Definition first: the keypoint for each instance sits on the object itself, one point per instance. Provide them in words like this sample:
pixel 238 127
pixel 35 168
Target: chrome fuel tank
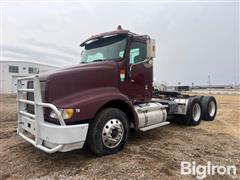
pixel 150 113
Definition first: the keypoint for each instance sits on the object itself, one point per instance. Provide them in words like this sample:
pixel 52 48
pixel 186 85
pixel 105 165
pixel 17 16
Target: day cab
pixel 97 101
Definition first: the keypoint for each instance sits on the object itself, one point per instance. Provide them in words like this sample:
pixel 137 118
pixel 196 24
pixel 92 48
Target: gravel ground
pixel 155 154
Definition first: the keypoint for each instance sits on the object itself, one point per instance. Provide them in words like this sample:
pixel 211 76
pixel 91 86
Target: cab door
pixel 140 74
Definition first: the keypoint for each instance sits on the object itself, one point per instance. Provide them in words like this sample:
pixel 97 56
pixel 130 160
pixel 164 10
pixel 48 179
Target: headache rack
pixel 32 122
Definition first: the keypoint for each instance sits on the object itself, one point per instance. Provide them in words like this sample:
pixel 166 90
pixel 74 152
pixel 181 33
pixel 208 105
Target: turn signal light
pixel 67 113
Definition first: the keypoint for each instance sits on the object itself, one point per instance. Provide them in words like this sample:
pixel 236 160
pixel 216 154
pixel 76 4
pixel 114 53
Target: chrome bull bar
pixel 59 135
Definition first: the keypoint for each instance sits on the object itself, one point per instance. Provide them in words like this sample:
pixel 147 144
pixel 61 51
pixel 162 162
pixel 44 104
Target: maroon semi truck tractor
pixel 97 101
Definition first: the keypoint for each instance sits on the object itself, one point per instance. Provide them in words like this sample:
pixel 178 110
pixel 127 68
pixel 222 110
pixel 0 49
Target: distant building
pixel 11 70
pixel 182 88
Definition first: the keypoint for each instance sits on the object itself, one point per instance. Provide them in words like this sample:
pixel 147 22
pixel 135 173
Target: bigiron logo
pixel 209 169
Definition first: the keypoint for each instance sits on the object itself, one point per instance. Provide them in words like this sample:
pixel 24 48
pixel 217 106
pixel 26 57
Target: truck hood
pixel 76 79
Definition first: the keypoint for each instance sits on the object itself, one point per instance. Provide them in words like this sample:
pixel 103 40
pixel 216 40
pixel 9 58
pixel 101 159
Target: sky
pixel 193 39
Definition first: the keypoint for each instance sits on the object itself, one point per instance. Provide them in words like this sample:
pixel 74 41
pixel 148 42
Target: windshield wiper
pixel 96 60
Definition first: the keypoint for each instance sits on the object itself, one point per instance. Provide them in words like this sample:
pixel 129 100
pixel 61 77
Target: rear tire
pixel 209 106
pixel 109 132
pixel 194 112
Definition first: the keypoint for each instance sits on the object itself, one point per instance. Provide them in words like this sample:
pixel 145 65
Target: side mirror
pixel 151 50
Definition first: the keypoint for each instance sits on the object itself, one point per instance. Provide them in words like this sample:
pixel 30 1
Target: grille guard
pixel 59 135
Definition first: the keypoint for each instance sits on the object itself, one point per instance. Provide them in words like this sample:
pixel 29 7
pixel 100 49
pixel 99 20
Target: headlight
pixel 66 113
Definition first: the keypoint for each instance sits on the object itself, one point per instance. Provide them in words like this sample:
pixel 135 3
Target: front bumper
pixel 51 137
pixel 43 135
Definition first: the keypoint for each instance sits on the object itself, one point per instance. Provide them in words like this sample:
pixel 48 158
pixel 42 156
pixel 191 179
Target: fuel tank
pixel 150 113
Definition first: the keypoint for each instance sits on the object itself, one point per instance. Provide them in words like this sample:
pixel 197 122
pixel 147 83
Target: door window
pixel 137 52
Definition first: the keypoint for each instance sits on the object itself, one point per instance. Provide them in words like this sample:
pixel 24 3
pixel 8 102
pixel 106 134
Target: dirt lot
pixel 150 155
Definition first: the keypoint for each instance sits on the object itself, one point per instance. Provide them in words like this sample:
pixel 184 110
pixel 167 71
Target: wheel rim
pixel 196 112
pixel 112 133
pixel 211 108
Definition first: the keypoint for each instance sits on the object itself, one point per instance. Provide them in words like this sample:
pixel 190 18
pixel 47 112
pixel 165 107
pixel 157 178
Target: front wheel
pixel 109 132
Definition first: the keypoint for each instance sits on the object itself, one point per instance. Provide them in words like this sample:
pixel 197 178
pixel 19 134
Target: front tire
pixel 109 132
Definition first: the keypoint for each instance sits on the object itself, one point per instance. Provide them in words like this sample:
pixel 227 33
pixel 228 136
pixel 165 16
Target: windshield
pixel 109 48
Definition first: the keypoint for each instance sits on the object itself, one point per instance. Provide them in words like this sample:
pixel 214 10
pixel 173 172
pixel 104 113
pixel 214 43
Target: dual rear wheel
pixel 209 108
pixel 200 108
